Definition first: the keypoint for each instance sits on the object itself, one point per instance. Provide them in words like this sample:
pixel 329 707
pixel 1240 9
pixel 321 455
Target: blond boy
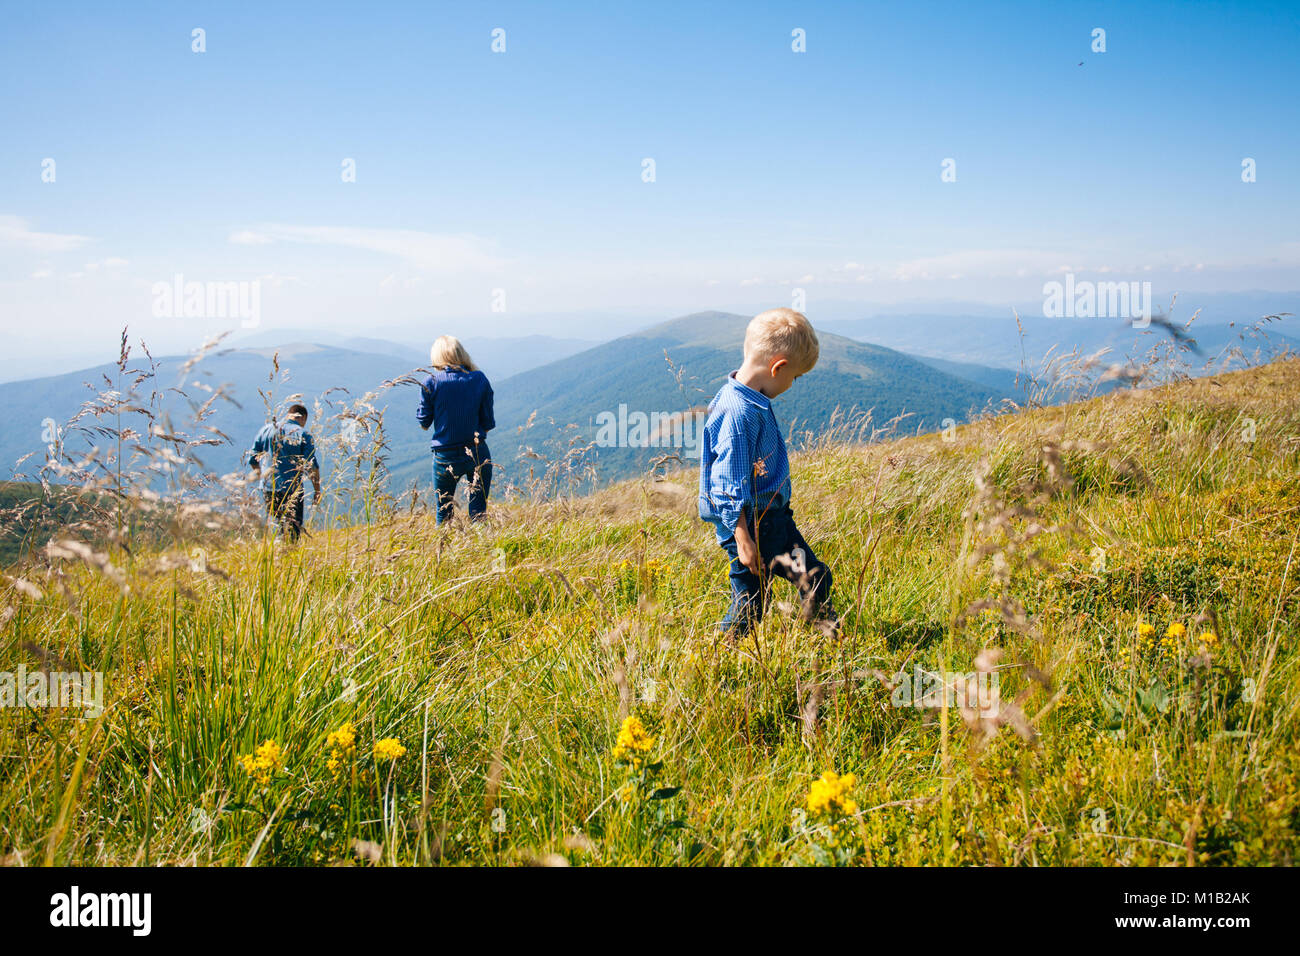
pixel 745 475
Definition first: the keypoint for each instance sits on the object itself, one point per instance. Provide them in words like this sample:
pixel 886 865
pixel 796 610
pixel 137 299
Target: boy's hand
pixel 746 550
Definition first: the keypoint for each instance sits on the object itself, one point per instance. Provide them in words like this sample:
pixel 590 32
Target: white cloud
pixel 111 263
pixel 249 238
pixel 275 280
pixel 394 281
pixel 109 268
pixel 15 229
pixel 978 262
pixel 428 251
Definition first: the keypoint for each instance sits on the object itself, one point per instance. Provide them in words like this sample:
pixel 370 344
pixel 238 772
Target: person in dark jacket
pixel 293 460
pixel 456 401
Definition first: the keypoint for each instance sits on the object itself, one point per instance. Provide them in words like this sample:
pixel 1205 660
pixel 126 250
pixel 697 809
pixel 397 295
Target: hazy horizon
pixel 613 324
pixel 531 170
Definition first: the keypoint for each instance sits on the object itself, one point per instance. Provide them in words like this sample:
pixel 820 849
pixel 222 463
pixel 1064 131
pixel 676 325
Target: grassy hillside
pixel 32 514
pixel 461 696
pixel 29 515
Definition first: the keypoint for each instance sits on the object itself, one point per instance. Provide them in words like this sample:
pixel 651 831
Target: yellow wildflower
pixel 1145 631
pixel 388 749
pixel 1176 631
pixel 633 742
pixel 264 761
pixel 345 738
pixel 828 795
pixel 1209 637
pixel 342 744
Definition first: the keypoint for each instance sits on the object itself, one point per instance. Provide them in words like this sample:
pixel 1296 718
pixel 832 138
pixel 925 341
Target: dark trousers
pixel 451 463
pixel 284 506
pixel 782 552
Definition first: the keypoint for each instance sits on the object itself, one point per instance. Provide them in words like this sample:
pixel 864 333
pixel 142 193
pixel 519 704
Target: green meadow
pixel 549 687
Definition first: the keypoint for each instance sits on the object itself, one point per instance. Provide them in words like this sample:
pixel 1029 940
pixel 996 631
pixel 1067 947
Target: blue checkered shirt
pixel 743 460
pixel 292 451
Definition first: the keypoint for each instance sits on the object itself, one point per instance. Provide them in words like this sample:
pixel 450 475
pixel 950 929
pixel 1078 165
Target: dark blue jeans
pixel 782 552
pixel 284 506
pixel 451 463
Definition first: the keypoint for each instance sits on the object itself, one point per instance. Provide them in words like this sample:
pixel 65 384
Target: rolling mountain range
pixel 564 393
pixel 679 365
pixel 668 368
pixel 498 357
pixel 998 341
pixel 306 369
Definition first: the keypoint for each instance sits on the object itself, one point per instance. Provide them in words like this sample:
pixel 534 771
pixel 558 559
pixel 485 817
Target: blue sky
pixel 522 170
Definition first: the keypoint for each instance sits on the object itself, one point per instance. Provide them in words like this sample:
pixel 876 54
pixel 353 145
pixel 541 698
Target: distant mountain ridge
pixel 499 357
pixel 679 364
pixel 667 368
pixel 307 369
pixel 1000 342
pixel 633 370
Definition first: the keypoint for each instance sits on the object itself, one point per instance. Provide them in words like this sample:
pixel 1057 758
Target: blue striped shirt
pixel 292 451
pixel 458 404
pixel 742 458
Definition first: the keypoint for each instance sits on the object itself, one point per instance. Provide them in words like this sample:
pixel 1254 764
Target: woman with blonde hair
pixel 456 400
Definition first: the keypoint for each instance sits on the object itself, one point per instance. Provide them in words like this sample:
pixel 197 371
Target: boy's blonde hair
pixel 784 333
pixel 448 351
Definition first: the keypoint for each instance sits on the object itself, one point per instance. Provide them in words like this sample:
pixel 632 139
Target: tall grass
pixel 505 657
